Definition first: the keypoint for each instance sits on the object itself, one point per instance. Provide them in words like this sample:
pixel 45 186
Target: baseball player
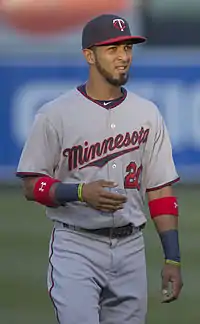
pixel 92 155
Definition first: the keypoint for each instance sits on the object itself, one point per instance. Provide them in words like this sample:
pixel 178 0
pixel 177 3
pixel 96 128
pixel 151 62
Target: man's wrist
pixel 67 192
pixel 172 262
pixel 80 192
pixel 170 244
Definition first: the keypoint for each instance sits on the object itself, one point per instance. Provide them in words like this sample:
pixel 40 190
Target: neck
pixel 99 89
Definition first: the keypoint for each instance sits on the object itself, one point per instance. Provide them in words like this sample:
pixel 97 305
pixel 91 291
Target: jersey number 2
pixel 132 179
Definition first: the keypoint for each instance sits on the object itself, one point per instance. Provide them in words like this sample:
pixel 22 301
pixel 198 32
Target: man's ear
pixel 89 56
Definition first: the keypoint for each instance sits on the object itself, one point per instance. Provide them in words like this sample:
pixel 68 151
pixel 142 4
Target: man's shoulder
pixel 59 103
pixel 141 102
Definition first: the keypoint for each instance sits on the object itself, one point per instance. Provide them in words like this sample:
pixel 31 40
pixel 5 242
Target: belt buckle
pixel 118 232
pixel 127 231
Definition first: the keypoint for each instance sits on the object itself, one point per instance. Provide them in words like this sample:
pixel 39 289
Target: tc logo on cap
pixel 119 24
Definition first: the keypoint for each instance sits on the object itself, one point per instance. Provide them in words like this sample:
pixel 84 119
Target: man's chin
pixel 118 82
pixel 121 81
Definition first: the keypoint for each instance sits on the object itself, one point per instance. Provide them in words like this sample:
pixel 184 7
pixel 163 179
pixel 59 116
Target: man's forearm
pixel 51 192
pixel 163 208
pixel 165 223
pixel 167 228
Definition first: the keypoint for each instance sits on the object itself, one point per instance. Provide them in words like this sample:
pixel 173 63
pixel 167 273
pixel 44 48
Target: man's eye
pixel 113 48
pixel 128 48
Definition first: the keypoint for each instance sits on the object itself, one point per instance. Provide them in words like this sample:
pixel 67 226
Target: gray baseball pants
pixel 94 279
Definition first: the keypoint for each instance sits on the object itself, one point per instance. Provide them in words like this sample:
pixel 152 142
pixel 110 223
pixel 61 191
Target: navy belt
pixel 111 232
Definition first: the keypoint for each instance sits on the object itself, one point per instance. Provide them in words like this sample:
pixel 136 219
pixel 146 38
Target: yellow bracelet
pixel 80 190
pixel 173 262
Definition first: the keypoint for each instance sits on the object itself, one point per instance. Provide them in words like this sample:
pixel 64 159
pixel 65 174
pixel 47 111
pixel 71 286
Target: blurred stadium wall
pixel 166 70
pixel 35 70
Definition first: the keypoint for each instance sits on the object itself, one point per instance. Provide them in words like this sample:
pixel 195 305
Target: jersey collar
pixel 107 104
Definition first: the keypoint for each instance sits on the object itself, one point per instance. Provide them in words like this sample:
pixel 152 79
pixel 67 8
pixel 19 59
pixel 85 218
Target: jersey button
pixel 113 126
pixel 114 165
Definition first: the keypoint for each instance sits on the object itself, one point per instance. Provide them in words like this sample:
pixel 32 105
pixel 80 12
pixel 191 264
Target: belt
pixel 111 232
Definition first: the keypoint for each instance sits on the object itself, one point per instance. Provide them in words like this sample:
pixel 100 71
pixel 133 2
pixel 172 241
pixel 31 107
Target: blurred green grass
pixel 24 239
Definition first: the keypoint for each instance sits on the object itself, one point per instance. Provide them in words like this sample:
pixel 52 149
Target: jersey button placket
pixel 113 165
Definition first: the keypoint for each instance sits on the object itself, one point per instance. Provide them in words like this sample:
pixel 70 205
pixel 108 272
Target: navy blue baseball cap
pixel 108 29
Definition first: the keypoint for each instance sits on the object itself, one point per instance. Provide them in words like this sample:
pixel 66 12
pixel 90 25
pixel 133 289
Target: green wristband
pixel 80 191
pixel 173 262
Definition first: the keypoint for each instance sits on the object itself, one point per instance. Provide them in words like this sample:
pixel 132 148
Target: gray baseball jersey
pixel 75 139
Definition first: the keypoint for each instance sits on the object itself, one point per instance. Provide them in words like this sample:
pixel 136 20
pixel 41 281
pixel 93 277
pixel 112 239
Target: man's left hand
pixel 171 283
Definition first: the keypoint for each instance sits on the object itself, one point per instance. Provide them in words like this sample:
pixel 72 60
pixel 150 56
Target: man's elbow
pixel 27 194
pixel 160 193
pixel 27 188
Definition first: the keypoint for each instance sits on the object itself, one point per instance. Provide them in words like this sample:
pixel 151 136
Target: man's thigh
pixel 125 299
pixel 74 277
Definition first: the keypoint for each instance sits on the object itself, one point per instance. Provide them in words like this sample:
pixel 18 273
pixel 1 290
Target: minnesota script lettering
pixel 100 153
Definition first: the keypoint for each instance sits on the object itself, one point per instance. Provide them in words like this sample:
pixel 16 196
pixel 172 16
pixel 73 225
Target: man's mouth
pixel 122 68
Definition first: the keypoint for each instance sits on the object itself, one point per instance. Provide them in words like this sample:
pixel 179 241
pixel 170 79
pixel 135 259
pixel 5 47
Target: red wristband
pixel 42 189
pixel 163 206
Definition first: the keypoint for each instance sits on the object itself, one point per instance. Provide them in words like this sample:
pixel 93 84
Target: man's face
pixel 113 62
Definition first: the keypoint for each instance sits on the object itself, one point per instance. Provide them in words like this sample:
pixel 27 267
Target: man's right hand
pixel 97 197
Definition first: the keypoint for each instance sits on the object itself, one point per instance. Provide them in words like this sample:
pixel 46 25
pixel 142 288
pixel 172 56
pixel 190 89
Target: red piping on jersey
pixel 52 280
pixel 29 174
pixel 115 104
pixel 164 185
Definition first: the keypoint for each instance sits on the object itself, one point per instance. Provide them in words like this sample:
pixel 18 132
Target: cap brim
pixel 132 39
